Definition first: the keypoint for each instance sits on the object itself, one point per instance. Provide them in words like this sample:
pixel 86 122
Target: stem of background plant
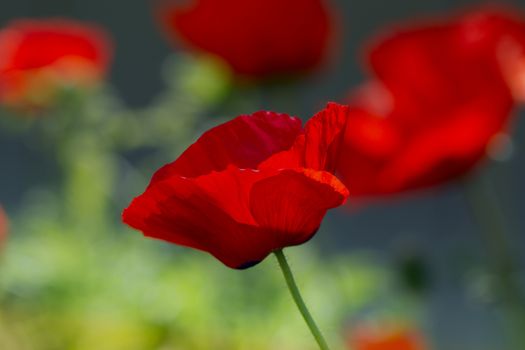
pixel 86 160
pixel 496 235
pixel 292 286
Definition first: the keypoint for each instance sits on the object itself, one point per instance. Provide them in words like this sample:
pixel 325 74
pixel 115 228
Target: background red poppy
pixel 438 99
pixel 4 226
pixel 39 56
pixel 258 38
pixel 385 339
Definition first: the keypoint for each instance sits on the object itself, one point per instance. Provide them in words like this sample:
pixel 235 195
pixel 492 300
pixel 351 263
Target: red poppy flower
pixel 439 99
pixel 376 339
pixel 40 56
pixel 257 38
pixel 247 187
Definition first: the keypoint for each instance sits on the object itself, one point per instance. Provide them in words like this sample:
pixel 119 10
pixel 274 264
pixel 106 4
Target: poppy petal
pixel 451 149
pixel 292 204
pixel 178 211
pixel 243 142
pixel 324 134
pixel 318 148
pixel 239 216
pixel 273 208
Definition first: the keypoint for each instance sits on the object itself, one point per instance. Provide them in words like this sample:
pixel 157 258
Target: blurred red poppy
pixel 439 99
pixel 381 339
pixel 4 226
pixel 38 57
pixel 257 38
pixel 247 187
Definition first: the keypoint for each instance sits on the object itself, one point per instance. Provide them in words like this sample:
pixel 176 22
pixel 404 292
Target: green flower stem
pixel 496 236
pixel 292 286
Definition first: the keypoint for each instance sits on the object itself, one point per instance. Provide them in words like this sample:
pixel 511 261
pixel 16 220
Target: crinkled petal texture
pixel 438 99
pixel 217 197
pixel 243 142
pixel 257 38
pixel 37 55
pixel 319 145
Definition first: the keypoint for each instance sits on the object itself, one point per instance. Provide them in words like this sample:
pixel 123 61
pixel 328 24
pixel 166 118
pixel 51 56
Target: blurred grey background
pixel 434 226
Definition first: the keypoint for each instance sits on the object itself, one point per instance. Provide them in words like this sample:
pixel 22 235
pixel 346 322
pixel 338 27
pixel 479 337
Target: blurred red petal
pixel 4 226
pixel 451 149
pixel 439 96
pixel 30 44
pixel 377 339
pixel 38 56
pixel 258 38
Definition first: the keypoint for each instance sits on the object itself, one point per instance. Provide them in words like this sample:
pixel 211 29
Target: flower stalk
pixel 296 295
pixel 496 236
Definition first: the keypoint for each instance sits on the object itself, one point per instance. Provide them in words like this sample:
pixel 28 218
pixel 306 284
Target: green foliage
pixel 140 294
